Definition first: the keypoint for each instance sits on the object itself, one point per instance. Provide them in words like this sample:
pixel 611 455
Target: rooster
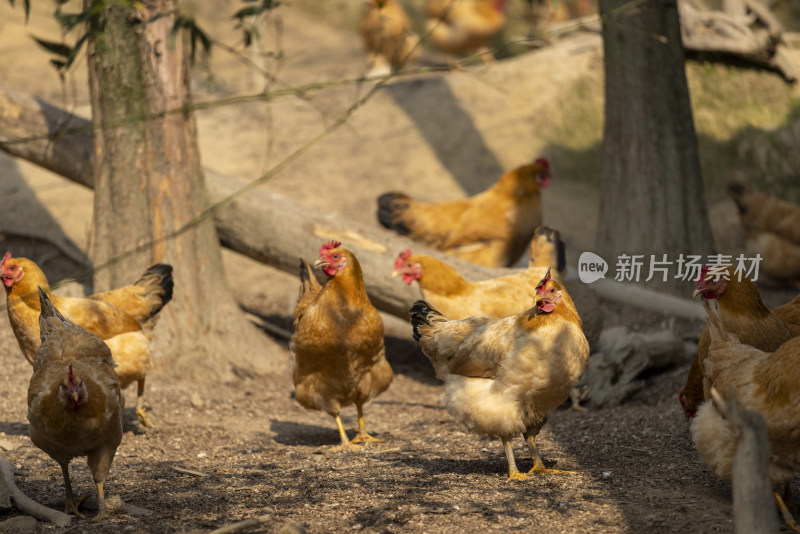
pixel 764 381
pixel 338 341
pixel 387 35
pixel 74 400
pixel 459 27
pixel 445 289
pixel 745 316
pixel 503 377
pixel 491 228
pixel 123 317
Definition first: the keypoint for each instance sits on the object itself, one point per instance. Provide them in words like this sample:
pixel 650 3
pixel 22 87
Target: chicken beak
pixel 697 292
pixel 320 263
pixel 75 395
pixel 395 274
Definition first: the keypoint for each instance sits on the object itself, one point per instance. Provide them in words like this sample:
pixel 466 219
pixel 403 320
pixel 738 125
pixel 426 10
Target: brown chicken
pixel 459 27
pixel 772 229
pixel 767 382
pixel 123 317
pixel 745 316
pixel 503 377
pixel 74 400
pixel 491 228
pixel 453 296
pixel 388 37
pixel 338 341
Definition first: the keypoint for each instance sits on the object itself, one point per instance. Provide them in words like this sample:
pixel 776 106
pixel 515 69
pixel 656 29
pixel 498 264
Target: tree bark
pixel 652 200
pixel 149 186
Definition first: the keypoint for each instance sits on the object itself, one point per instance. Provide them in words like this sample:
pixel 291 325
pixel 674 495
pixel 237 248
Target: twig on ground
pixel 190 472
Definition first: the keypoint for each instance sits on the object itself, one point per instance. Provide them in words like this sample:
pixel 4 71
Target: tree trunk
pixel 652 200
pixel 149 186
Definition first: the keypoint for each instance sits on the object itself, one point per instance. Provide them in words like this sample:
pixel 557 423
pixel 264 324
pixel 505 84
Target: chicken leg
pixel 538 464
pixel 513 472
pixel 140 405
pixel 362 436
pixel 70 503
pixel 346 444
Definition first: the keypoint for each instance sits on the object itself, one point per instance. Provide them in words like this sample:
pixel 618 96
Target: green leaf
pixel 196 34
pixel 57 48
pixel 247 12
pixel 252 11
pixel 75 50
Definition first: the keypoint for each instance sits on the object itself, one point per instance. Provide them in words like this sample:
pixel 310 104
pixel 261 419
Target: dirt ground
pixel 636 469
pixel 257 451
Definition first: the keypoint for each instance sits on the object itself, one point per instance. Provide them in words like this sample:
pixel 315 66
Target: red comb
pixel 543 162
pixel 71 377
pixel 403 256
pixel 329 246
pixel 543 281
pixel 5 258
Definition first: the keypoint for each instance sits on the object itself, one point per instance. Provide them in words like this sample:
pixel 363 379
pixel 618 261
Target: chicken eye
pixel 335 256
pixel 552 290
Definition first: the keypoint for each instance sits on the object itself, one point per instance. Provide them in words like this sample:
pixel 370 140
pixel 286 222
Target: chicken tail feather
pixel 158 284
pixel 547 249
pixel 737 192
pixel 421 316
pixel 49 318
pixel 391 207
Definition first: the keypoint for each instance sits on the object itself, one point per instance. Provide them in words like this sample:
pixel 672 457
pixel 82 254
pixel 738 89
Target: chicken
pixel 123 317
pixel 459 27
pixel 491 228
pixel 337 342
pixel 388 37
pixel 456 298
pixel 745 316
pixel 74 400
pixel 762 213
pixel 503 377
pixel 772 229
pixel 762 381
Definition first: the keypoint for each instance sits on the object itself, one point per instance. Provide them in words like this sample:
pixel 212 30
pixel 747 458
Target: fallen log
pixel 263 225
pixel 746 30
pixel 278 231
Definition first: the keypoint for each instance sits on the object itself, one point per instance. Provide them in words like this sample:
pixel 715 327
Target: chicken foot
pixel 787 515
pixel 538 463
pixel 346 444
pixel 101 502
pixel 362 436
pixel 71 504
pixel 513 472
pixel 140 411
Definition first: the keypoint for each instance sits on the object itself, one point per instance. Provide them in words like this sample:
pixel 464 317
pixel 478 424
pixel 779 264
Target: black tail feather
pixel 420 311
pixel 390 206
pixel 163 273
